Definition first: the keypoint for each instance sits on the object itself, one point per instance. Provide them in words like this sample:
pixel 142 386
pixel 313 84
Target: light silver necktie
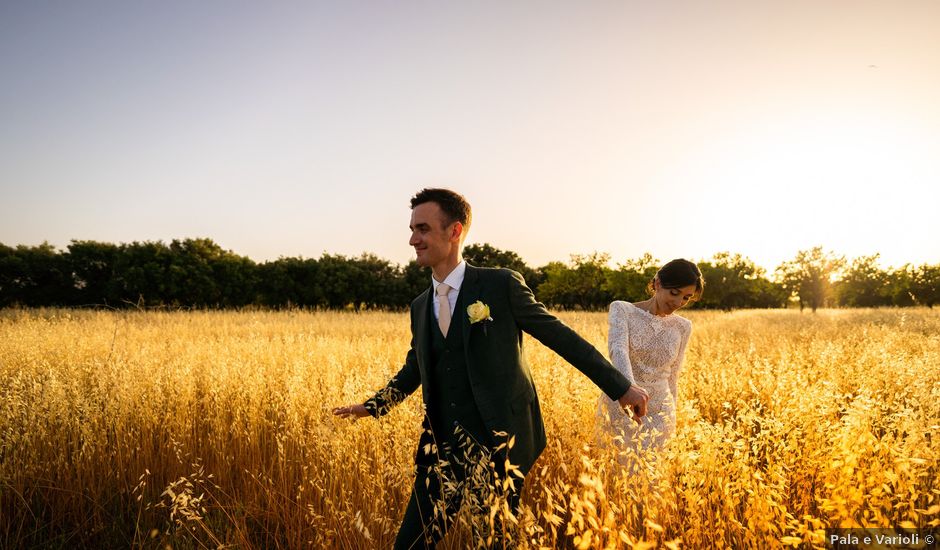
pixel 443 315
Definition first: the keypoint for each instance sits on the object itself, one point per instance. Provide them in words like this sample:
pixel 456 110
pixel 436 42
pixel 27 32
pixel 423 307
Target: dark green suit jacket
pixel 499 376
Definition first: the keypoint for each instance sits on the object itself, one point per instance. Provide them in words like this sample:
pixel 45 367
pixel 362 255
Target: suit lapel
pixel 423 305
pixel 470 293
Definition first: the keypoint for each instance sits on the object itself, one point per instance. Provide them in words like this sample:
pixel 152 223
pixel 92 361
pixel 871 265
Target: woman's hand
pixel 634 402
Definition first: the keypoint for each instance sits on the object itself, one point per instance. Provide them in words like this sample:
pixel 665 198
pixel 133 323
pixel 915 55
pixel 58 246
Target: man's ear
pixel 456 233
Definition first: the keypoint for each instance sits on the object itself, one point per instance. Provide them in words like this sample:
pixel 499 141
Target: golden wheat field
pixel 213 429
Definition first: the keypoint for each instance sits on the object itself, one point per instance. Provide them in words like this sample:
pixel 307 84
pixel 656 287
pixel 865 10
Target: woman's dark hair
pixel 677 274
pixel 453 205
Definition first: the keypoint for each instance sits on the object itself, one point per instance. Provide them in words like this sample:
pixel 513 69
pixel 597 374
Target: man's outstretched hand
pixel 634 402
pixel 354 411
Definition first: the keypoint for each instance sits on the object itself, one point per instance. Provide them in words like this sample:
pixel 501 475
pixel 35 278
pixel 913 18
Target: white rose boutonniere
pixel 478 312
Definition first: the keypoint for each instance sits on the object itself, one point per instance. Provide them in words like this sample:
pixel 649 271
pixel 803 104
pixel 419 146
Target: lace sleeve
pixel 680 358
pixel 618 339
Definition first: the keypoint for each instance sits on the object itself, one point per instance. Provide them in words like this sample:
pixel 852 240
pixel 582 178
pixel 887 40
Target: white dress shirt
pixel 454 280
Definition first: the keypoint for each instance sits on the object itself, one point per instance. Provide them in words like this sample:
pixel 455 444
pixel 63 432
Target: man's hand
pixel 634 402
pixel 359 411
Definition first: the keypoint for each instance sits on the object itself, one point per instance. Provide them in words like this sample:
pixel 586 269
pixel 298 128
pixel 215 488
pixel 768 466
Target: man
pixel 477 389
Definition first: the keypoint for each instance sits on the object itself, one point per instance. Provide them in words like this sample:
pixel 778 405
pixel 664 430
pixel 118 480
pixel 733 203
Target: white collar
pixel 454 279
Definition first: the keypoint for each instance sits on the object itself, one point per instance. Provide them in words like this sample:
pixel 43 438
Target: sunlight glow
pixel 821 178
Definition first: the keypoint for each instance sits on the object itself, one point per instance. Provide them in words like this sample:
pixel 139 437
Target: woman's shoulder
pixel 685 323
pixel 621 309
pixel 621 305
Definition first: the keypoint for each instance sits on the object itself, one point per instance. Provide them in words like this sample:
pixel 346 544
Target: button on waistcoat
pixel 452 397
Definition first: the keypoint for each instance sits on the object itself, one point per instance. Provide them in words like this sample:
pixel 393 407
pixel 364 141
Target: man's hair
pixel 454 206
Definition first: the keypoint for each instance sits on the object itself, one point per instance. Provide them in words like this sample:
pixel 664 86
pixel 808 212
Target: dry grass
pixel 213 429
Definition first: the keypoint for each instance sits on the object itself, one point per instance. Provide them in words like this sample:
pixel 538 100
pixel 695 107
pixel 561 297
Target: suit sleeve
pixel 399 387
pixel 532 317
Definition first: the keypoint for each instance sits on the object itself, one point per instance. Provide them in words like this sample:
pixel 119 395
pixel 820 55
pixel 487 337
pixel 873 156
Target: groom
pixel 469 364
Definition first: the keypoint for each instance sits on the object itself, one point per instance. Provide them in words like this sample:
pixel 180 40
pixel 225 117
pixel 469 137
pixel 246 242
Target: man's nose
pixel 413 241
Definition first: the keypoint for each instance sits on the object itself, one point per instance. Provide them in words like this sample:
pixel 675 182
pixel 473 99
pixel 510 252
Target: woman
pixel 647 343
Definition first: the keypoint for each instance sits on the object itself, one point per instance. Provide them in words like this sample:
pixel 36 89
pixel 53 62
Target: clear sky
pixel 297 128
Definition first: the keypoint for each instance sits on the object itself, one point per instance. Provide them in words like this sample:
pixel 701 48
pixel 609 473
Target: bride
pixel 647 343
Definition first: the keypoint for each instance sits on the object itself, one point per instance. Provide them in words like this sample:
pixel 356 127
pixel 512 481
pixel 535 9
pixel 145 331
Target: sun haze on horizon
pixel 620 127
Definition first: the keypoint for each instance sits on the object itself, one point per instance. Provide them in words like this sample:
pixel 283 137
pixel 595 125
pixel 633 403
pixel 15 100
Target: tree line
pixel 198 273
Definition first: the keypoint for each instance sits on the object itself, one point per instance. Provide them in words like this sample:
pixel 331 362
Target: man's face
pixel 434 241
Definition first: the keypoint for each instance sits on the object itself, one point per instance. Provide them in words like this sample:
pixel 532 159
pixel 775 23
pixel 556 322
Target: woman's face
pixel 669 300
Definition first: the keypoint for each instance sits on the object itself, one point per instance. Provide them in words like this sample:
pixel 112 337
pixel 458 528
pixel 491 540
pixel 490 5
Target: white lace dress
pixel 648 350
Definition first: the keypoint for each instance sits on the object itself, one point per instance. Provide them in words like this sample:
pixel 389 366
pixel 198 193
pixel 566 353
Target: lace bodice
pixel 646 348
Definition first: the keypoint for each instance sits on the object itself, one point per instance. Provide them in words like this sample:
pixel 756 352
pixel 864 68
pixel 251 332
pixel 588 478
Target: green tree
pixel 141 274
pixel 337 277
pixel 863 284
pixel 733 281
pixel 926 287
pixel 630 280
pixel 809 275
pixel 92 266
pixel 35 276
pixel 900 286
pixel 374 282
pixel 728 281
pixel 192 280
pixel 11 276
pixel 236 279
pixel 487 255
pixel 582 285
pixel 415 279
pixel 766 294
pixel 288 282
